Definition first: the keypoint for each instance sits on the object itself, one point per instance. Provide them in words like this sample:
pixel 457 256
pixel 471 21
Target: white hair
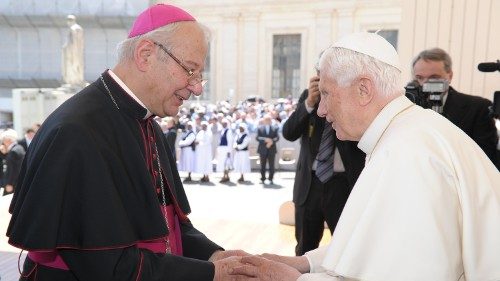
pixel 344 66
pixel 9 134
pixel 164 35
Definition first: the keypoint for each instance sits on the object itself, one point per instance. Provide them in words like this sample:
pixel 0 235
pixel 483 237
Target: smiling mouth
pixel 181 98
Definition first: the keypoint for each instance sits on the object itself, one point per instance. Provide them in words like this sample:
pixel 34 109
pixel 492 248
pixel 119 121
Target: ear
pixel 366 90
pixel 451 75
pixel 143 55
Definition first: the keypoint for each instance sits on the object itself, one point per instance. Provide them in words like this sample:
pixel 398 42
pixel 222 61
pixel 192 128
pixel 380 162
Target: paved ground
pixel 234 215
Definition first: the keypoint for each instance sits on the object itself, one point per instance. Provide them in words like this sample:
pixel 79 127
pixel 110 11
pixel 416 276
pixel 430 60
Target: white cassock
pixel 225 146
pixel 203 152
pixel 187 161
pixel 425 207
pixel 241 161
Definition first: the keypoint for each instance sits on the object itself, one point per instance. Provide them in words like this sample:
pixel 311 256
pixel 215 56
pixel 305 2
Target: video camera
pixel 429 95
pixel 492 67
pixel 496 105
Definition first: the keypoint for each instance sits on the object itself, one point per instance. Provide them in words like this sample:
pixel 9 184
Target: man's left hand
pixel 262 269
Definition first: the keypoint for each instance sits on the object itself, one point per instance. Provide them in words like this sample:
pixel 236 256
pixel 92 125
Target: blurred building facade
pixel 262 48
pixel 33 33
pixel 265 48
pixel 269 48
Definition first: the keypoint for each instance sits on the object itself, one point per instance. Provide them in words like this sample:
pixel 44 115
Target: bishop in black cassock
pixel 99 195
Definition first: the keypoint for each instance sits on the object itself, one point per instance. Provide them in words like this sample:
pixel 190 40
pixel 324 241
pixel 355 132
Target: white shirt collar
pixel 376 129
pixel 129 92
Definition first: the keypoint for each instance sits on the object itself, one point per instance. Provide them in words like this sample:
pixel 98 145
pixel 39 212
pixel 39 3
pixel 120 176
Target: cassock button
pixel 154 156
pixel 155 173
pixel 151 139
pixel 158 190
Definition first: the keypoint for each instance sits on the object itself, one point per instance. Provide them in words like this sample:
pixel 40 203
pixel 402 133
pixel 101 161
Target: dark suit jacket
pixel 13 161
pixel 171 136
pixel 472 115
pixel 309 128
pixel 273 134
pixel 24 143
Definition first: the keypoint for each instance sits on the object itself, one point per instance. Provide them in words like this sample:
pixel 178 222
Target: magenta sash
pixel 174 235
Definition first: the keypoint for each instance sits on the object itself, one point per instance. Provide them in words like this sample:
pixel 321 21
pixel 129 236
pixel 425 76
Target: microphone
pixel 489 66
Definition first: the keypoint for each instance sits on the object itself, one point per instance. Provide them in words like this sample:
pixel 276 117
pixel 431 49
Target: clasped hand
pixel 269 142
pixel 265 267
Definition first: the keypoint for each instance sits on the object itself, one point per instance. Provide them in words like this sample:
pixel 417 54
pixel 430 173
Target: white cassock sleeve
pixel 315 258
pixel 320 277
pixel 317 272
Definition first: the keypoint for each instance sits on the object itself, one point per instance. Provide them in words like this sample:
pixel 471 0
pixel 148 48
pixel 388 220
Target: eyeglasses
pixel 193 77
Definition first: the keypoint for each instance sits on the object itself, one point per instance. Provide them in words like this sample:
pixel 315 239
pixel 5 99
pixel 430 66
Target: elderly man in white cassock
pixel 427 204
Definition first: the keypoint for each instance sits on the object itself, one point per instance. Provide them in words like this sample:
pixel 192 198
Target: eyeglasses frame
pixel 189 71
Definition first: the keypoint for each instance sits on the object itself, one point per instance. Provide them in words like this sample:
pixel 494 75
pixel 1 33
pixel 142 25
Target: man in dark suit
pixel 171 135
pixel 267 136
pixel 28 137
pixel 469 113
pixel 13 159
pixel 317 201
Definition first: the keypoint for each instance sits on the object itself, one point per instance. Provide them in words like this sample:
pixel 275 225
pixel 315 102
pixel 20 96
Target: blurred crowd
pixel 202 125
pixel 249 111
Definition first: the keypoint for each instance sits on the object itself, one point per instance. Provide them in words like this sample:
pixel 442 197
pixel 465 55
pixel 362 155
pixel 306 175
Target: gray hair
pixel 434 54
pixel 344 66
pixel 163 35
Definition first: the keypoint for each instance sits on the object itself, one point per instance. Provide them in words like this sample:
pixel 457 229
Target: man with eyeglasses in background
pixel 100 197
pixel 469 113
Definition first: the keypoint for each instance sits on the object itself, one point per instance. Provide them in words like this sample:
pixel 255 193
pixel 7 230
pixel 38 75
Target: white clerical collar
pixel 129 92
pixel 376 129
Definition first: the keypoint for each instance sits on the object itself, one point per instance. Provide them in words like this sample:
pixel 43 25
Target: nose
pixel 321 108
pixel 196 90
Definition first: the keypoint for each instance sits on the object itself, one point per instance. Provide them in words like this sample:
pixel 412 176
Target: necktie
pixel 324 167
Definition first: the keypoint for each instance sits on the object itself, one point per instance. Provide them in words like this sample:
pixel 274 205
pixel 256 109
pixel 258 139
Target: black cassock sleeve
pixel 134 264
pixel 129 263
pixel 195 244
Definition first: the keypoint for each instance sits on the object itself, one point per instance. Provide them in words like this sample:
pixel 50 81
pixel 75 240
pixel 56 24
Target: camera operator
pixel 469 113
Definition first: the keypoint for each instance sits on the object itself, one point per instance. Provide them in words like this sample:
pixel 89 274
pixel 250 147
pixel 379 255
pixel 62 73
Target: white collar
pixel 378 126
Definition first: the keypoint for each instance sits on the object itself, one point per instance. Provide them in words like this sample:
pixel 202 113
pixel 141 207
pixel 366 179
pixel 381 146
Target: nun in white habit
pixel 241 162
pixel 203 152
pixel 188 146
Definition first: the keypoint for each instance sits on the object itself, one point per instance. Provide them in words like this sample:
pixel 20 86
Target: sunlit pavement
pixel 235 215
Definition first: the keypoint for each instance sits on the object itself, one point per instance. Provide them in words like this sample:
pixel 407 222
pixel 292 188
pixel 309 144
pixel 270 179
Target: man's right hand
pixel 223 268
pixel 313 92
